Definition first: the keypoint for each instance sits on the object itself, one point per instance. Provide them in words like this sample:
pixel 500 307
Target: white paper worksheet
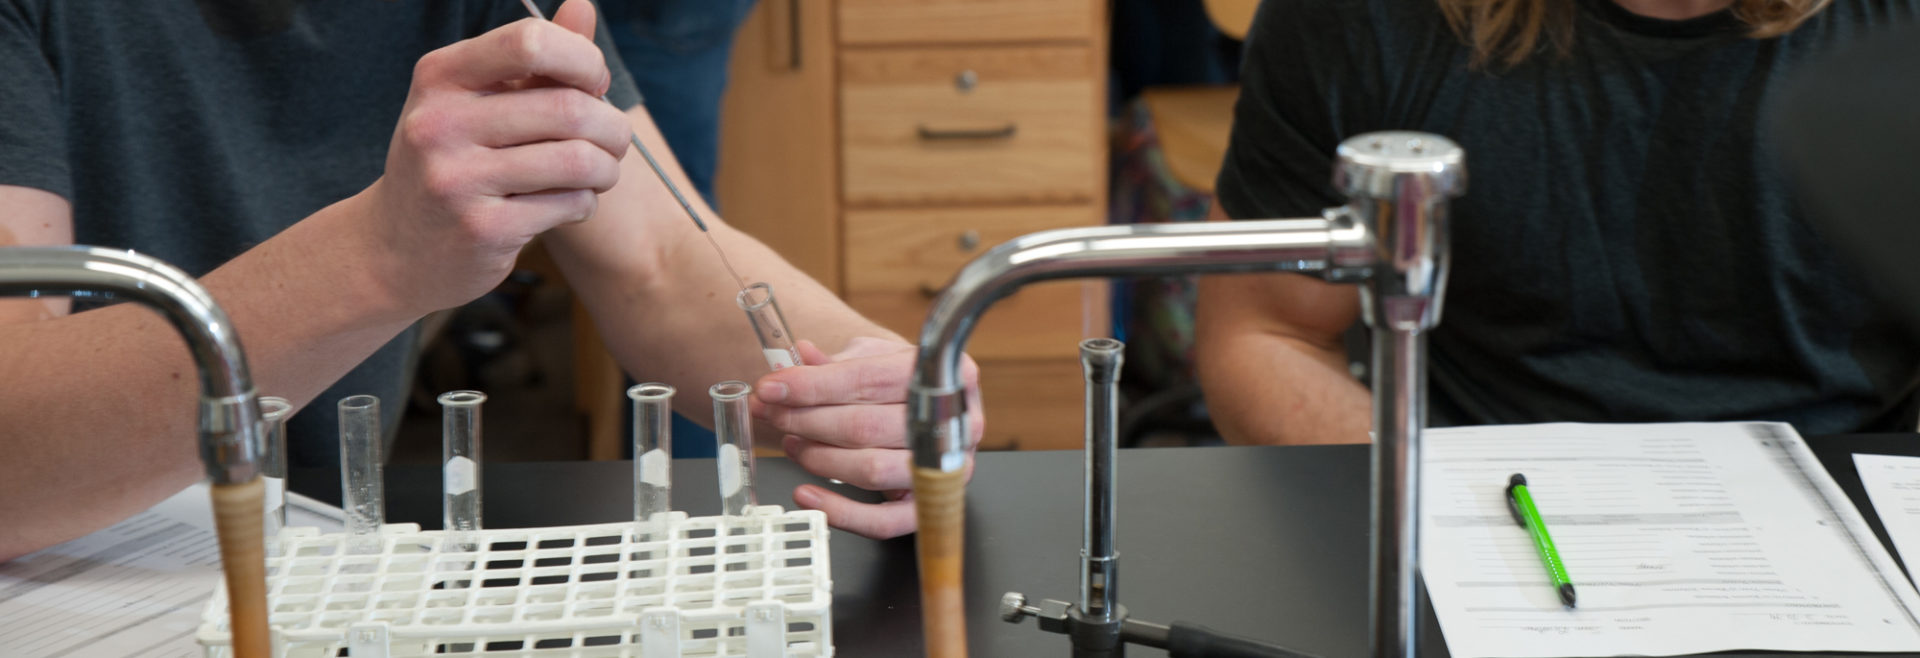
pixel 1678 538
pixel 134 589
pixel 1893 485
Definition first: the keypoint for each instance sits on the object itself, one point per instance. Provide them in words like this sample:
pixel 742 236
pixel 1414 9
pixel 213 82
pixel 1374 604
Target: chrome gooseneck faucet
pixel 230 426
pixel 1390 237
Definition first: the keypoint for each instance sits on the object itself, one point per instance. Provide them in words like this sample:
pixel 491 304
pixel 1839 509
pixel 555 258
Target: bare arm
pixel 107 426
pixel 99 406
pixel 1271 362
pixel 33 218
pixel 660 296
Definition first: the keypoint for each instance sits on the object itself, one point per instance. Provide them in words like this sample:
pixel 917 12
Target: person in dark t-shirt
pixel 333 171
pixel 1626 251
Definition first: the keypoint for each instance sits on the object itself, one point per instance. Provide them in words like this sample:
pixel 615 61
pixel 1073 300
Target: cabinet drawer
pixel 970 125
pixel 879 22
pixel 896 260
pixel 1033 404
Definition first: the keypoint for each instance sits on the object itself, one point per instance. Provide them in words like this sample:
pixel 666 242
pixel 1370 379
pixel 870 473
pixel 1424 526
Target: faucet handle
pixel 1376 165
pixel 1397 185
pixel 1014 608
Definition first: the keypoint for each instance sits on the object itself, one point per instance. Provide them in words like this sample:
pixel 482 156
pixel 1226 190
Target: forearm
pixel 661 298
pixel 101 416
pixel 500 139
pixel 1264 386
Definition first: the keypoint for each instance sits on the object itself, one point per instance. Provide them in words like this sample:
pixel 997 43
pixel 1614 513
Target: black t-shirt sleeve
pixel 1287 122
pixel 33 151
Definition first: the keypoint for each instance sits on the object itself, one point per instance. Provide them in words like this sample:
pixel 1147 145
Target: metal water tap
pixel 230 438
pixel 1390 236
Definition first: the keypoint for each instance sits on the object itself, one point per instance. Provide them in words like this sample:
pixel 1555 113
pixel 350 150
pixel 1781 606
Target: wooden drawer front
pixel 876 22
pixel 897 259
pixel 1027 130
pixel 1033 405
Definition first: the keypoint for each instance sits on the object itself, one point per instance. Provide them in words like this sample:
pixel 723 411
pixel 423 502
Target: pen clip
pixel 1513 504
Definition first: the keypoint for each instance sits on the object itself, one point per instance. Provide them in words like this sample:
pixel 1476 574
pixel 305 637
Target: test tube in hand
pixel 769 325
pixel 460 466
pixel 273 469
pixel 362 493
pixel 652 451
pixel 734 432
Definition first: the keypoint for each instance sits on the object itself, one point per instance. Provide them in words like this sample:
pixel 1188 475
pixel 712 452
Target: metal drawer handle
pixel 1003 132
pixel 969 240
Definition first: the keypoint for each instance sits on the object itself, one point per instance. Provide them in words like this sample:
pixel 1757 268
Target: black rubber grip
pixel 1192 641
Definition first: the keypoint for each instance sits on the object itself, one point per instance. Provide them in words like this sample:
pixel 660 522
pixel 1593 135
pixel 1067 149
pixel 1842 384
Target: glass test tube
pixel 652 451
pixel 460 466
pixel 734 431
pixel 769 325
pixel 362 492
pixel 273 416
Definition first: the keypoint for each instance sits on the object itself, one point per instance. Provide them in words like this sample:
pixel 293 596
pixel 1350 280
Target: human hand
pixel 845 417
pixel 502 137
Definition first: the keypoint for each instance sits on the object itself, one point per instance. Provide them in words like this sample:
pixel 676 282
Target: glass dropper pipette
pixel 780 352
pixel 664 178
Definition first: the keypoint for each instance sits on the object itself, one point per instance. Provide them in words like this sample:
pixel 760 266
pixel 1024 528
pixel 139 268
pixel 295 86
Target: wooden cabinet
pixel 882 144
pixel 897 259
pixel 969 125
pixel 920 22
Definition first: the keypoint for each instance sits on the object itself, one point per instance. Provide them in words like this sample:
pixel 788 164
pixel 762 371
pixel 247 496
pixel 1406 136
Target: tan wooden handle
pixel 940 500
pixel 237 513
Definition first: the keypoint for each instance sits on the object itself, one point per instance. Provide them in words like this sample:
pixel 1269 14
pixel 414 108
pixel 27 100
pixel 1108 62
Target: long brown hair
pixel 1505 33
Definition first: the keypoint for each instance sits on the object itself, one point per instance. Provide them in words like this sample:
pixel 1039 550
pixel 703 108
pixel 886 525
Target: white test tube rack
pixel 753 586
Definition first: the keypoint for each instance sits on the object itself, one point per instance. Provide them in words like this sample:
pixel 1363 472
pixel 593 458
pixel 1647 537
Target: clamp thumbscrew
pixel 1014 608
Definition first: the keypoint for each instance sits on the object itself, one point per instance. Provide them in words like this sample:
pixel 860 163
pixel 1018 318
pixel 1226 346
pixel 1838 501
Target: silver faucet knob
pixel 1380 165
pixel 1398 184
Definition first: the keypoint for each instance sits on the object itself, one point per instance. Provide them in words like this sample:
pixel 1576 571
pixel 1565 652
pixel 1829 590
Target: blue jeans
pixel 677 51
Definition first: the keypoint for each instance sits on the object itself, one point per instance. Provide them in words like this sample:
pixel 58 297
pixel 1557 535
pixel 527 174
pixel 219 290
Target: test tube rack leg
pixel 754 586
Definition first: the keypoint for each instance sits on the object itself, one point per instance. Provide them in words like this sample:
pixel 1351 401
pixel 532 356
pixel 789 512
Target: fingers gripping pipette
pixel 770 326
pixel 672 188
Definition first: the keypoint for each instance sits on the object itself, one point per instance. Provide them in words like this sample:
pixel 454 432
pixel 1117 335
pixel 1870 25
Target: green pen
pixel 1520 502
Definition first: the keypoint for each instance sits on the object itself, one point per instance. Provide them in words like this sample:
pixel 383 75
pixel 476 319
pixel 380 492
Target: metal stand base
pixel 1093 638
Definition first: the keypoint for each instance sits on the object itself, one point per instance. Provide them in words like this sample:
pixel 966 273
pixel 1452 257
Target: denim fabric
pixel 677 51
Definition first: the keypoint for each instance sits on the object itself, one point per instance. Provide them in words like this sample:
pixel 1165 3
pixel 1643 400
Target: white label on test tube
pixel 654 468
pixel 730 475
pixel 778 358
pixel 459 475
pixel 276 518
pixel 276 494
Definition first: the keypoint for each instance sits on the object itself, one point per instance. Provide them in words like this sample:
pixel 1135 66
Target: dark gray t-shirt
pixel 1627 249
pixel 193 130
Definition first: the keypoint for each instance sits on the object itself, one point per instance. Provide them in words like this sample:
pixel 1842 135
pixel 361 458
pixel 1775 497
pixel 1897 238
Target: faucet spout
pixel 1334 245
pixel 937 430
pixel 1390 236
pixel 230 428
pixel 230 444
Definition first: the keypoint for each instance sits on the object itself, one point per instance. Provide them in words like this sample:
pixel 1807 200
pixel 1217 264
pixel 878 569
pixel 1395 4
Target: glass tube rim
pixel 650 391
pixel 732 389
pixel 273 408
pixel 461 398
pixel 746 300
pixel 360 402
